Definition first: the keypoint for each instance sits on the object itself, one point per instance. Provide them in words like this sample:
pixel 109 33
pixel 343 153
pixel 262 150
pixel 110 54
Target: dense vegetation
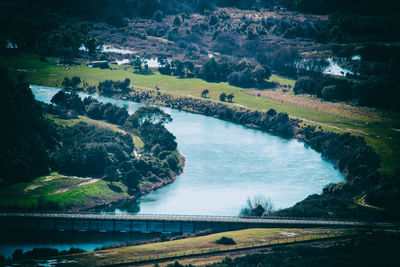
pixel 26 136
pixel 102 153
pixel 243 74
pixel 364 92
pixel 269 43
pixel 32 145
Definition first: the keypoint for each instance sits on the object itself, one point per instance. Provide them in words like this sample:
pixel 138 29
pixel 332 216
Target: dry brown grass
pixel 313 103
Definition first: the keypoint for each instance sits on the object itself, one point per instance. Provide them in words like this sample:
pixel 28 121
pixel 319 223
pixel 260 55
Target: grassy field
pixel 379 129
pixel 199 245
pixel 68 192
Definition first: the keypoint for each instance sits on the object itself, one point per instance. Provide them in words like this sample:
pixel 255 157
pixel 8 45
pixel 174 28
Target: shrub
pixel 225 241
pixel 328 92
pixel 158 16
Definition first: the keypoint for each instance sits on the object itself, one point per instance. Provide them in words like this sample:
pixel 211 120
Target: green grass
pixel 282 80
pixel 67 192
pixel 198 245
pixel 376 127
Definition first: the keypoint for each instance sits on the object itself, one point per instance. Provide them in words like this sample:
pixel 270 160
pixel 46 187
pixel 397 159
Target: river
pixel 227 163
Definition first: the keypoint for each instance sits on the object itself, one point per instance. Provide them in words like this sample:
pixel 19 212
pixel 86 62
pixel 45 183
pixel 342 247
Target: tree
pixel 75 81
pixel 178 68
pixel 132 180
pixel 173 161
pixel 158 16
pixel 260 74
pixel 204 93
pixel 230 97
pixel 222 97
pixel 66 83
pixel 177 21
pixel 212 20
pixel 60 97
pixel 152 115
pixel 152 134
pixel 305 84
pixel 258 206
pixel 18 255
pixel 125 85
pixel 328 92
pixel 92 45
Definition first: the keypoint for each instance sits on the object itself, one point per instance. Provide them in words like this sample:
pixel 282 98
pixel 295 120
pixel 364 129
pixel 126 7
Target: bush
pixel 225 241
pixel 158 16
pixel 328 92
pixel 305 84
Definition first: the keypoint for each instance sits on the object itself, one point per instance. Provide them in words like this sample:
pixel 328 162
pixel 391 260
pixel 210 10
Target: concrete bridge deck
pixel 110 222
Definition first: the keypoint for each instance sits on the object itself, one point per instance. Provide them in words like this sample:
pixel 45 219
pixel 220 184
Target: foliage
pixel 153 134
pixel 151 115
pixel 258 206
pixel 89 151
pixel 204 93
pixel 94 109
pixel 108 87
pixel 26 134
pixel 222 97
pixel 69 100
pixel 71 84
pixel 225 241
pixel 362 91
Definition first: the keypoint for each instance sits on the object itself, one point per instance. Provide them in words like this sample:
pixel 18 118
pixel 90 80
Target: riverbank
pixel 374 126
pixel 355 159
pixel 321 130
pixel 71 193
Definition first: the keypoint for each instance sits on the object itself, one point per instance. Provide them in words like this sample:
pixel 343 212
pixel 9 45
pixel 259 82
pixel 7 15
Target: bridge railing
pixel 175 216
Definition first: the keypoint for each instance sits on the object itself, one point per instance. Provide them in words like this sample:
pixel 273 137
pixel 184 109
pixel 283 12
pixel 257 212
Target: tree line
pixel 243 74
pixel 382 92
pixel 26 134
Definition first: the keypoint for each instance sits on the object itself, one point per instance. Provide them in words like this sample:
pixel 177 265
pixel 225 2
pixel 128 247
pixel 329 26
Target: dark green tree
pixel 152 115
pixel 204 93
pixel 222 97
pixel 230 97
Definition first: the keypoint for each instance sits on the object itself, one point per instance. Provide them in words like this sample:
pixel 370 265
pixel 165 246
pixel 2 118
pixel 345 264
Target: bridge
pixel 111 222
